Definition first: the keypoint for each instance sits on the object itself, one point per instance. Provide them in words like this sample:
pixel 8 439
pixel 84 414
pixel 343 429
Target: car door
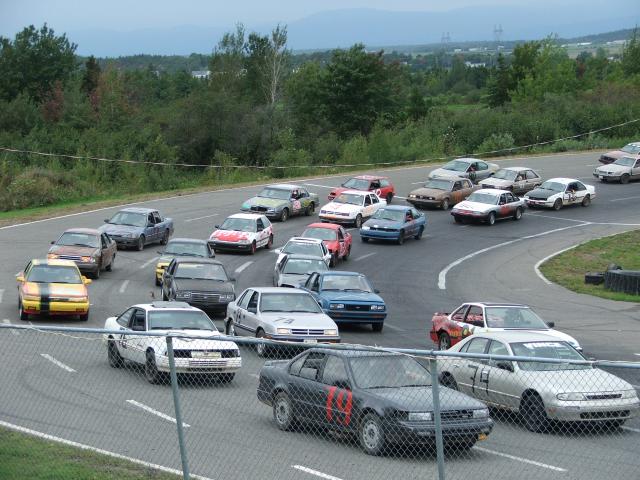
pixel 336 399
pixel 106 252
pixel 457 192
pixel 503 206
pixel 342 244
pixel 158 228
pixel 520 182
pixel 473 320
pixel 482 170
pixel 635 170
pixel 308 395
pixel 472 381
pixel 134 344
pixel 499 381
pixel 409 223
pixel 123 322
pixel 367 209
pixel 150 229
pixel 240 320
pixel 533 180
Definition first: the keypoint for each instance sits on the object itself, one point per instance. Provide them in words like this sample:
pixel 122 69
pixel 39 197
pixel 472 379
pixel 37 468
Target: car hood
pixel 379 222
pixel 191 285
pixel 474 206
pixel 344 296
pixel 497 182
pixel 577 380
pixel 264 202
pixel 230 235
pixel 341 207
pixel 429 192
pixel 612 168
pixel 339 190
pixel 207 343
pixel 299 320
pixel 73 250
pixel 542 193
pixel 443 173
pixel 420 399
pixel 112 229
pixel 54 289
pixel 561 336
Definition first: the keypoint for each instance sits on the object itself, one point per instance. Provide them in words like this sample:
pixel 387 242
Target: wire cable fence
pixel 204 405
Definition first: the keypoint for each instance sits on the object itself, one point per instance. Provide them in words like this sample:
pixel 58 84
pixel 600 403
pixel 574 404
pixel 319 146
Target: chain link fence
pixel 235 407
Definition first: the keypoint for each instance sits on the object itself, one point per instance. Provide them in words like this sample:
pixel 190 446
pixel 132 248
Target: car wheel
pixel 389 198
pixel 400 237
pixel 140 244
pixel 557 205
pixel 346 255
pixel 444 341
pixel 445 204
pixel 229 329
pixel 364 239
pixel 110 266
pixel 84 317
pixel 151 372
pixel 252 250
pixel 533 413
pixel 372 435
pixel 448 381
pixel 96 274
pixel 261 348
pixel 358 222
pixel 334 260
pixel 624 179
pixel 283 412
pixel 284 215
pixel 23 316
pixel 309 209
pixel 113 355
pixel 269 242
pixel 158 282
pixel 377 327
pixel 457 219
pixel 518 215
pixel 586 201
pixel 165 238
pixel 418 235
pixel 491 219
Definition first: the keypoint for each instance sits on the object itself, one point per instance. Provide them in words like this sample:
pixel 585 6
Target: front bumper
pixel 337 219
pixel 125 241
pixel 482 216
pixel 35 307
pixel 425 432
pixel 303 338
pixel 242 247
pixel 380 234
pixel 421 202
pixel 608 176
pixel 539 203
pixel 200 365
pixel 265 212
pixel 88 267
pixel 593 411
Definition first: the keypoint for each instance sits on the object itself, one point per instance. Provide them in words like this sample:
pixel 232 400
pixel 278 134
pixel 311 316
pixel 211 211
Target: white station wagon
pixel 351 207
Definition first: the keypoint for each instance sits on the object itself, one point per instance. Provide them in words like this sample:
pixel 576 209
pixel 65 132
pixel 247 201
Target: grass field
pixel 568 268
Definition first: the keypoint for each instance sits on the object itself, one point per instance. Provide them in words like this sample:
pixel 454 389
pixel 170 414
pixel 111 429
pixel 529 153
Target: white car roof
pixel 564 180
pixel 248 216
pixel 635 144
pixel 292 291
pixel 492 191
pixel 509 336
pixel 516 169
pixel 356 192
pixel 165 306
pixel 283 186
pixel 468 159
pixel 304 240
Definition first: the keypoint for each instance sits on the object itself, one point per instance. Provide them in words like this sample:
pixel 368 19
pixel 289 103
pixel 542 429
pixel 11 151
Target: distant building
pixel 457 50
pixel 200 73
pixel 475 64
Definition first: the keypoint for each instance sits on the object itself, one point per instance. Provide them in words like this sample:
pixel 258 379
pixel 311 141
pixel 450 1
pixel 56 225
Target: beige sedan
pixel 441 193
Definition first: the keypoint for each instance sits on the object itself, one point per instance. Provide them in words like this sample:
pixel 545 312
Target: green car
pixel 281 201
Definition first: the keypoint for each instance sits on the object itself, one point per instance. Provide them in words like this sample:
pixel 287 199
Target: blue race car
pixel 137 227
pixel 347 297
pixel 394 222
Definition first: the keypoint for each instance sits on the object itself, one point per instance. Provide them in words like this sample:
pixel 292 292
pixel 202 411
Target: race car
pixel 52 287
pixel 394 222
pixel 515 179
pixel 181 247
pixel 282 201
pixel 383 398
pixel 305 246
pixel 441 192
pixel 447 329
pixel 381 186
pixel 488 205
pixel 294 269
pixel 629 150
pixel 622 170
pixel 196 349
pixel 136 227
pixel 559 192
pixel 351 207
pixel 471 168
pixel 242 232
pixel 91 250
pixel 335 237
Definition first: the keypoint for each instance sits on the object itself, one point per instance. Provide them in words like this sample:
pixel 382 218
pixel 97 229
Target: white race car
pixel 351 207
pixel 205 355
pixel 242 232
pixel 622 170
pixel 558 192
pixel 489 205
pixel 305 246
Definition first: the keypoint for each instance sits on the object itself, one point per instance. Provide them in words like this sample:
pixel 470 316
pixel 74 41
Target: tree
pixel 91 76
pixel 499 84
pixel 631 55
pixel 227 63
pixel 275 64
pixel 34 62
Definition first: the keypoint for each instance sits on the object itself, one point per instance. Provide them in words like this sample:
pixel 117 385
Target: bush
pixel 498 144
pixel 38 187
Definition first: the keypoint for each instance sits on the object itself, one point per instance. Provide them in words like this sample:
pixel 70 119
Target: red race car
pixel 335 237
pixel 382 186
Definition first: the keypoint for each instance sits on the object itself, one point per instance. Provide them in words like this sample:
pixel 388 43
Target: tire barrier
pixel 626 281
pixel 594 278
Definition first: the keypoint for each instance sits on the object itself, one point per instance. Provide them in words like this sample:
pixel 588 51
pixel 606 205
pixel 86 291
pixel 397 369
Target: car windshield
pixel 277 193
pixel 504 174
pixel 54 274
pixel 303 248
pixel 631 148
pixel 480 197
pixel 388 371
pixel 388 214
pixel 439 185
pixel 349 198
pixel 346 282
pixel 188 249
pixel 553 186
pixel 288 302
pixel 131 219
pixel 180 320
pixel 304 266
pixel 357 184
pixel 201 271
pixel 320 233
pixel 79 240
pixel 239 224
pixel 513 317
pixel 625 161
pixel 456 166
pixel 559 350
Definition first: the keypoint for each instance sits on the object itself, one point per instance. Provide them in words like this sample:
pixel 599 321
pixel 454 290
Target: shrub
pixel 497 144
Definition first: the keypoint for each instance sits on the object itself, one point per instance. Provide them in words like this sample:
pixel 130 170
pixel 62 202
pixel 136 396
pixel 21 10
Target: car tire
pixel 491 219
pixel 165 298
pixel 96 274
pixel 418 235
pixel 109 267
pixel 533 413
pixel 346 255
pixel 448 381
pixel 445 204
pixel 400 240
pixel 377 327
pixel 23 316
pixel 140 244
pixel 158 282
pixel 261 349
pixel 364 239
pixel 165 238
pixel 624 179
pixel 389 198
pixel 444 341
pixel 518 215
pixel 229 329
pixel 284 215
pixel 269 242
pixel 457 219
pixel 371 434
pixel 283 412
pixel 113 355
pixel 334 260
pixel 358 221
pixel 557 205
pixel 151 372
pixel 253 248
pixel 586 201
pixel 84 317
pixel 308 211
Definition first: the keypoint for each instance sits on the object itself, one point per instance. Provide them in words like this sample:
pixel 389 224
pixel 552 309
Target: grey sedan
pixel 515 179
pixel 293 270
pixel 470 168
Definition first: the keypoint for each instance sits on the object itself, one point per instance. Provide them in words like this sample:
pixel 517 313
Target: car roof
pixel 248 216
pixel 400 208
pixel 493 191
pixel 468 159
pixel 278 290
pixel 88 231
pixel 516 169
pixel 299 256
pixel 283 186
pixel 161 305
pixel 138 210
pixel 341 273
pixel 211 261
pixel 52 262
pixel 635 144
pixel 508 336
pixel 188 240
pixel 497 304
pixel 328 226
pixel 304 240
pixel 369 177
pixel 356 192
pixel 563 180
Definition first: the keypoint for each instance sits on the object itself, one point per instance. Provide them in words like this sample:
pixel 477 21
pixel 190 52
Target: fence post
pixel 435 391
pixel 176 405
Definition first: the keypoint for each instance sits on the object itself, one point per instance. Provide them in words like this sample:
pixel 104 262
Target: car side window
pixel 303 193
pixel 334 371
pixel 157 218
pixel 458 314
pixel 265 222
pixel 137 319
pixel 367 200
pixel 296 365
pixel 315 284
pixel 374 199
pixel 477 345
pixel 374 184
pixel 467 184
pixel 497 348
pixel 104 241
pixel 482 166
pixel 531 174
pixel 456 186
pixel 474 316
pixel 340 235
pixel 253 301
pixel 312 366
pixel 260 225
pixel 123 320
pixel 245 299
pixel 150 220
pixel 384 183
pixel 503 199
pixel 510 198
pixel 579 186
pixel 637 165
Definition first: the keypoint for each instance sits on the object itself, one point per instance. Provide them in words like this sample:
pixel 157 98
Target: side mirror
pixel 20 277
pixel 344 384
pixel 106 220
pixel 52 242
pixel 508 366
pixel 551 324
pixel 86 280
pixel 375 290
pixel 216 226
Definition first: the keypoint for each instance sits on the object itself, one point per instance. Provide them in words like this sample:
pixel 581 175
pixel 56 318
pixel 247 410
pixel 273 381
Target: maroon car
pixel 92 250
pixel 629 150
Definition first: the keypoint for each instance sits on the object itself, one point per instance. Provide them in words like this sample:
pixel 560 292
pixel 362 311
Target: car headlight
pixel 53 256
pixel 629 394
pixel 32 298
pixel 227 297
pixel 571 397
pixel 366 227
pixel 323 211
pixel 377 307
pixel 336 306
pixel 183 294
pixel 271 210
pixel 283 331
pixel 87 259
pixel 481 413
pixel 420 416
pixel 332 332
pixel 411 195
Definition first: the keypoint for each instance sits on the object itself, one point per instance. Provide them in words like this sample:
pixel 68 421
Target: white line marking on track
pixel 155 412
pixel 82 446
pixel 362 257
pixel 1 294
pixel 536 267
pixel 243 267
pixel 6 321
pixel 624 198
pixel 635 430
pixel 442 276
pixel 200 218
pixel 520 459
pixel 310 471
pixel 254 375
pixel 123 287
pixel 316 185
pixel 401 198
pixel 57 362
pixel 393 327
pixel 417 183
pixel 148 262
pixel 541 215
pixel 638 354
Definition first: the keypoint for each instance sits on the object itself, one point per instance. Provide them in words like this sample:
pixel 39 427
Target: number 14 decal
pixel 342 405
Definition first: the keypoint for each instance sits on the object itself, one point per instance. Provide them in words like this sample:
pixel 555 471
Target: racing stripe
pixel 45 298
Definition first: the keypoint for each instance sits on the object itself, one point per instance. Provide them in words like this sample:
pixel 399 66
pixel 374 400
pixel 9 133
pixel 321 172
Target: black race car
pixel 384 398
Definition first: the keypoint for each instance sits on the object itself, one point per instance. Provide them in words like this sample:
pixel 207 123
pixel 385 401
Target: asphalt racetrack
pixel 232 435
